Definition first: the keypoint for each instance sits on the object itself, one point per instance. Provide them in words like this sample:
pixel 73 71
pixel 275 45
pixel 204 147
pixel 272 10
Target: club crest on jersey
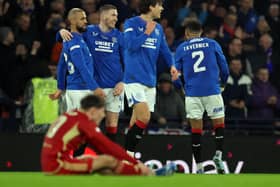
pixel 94 33
pixel 104 37
pixel 141 29
pixel 114 40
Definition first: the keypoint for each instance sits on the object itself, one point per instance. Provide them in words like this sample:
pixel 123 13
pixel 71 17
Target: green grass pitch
pixel 30 179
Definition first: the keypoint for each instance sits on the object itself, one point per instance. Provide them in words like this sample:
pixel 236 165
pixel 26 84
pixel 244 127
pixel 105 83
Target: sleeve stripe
pixel 75 47
pixel 128 29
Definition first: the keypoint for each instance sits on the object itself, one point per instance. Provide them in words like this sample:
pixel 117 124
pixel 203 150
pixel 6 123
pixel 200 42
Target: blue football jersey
pixel 203 65
pixel 142 51
pixel 75 68
pixel 107 51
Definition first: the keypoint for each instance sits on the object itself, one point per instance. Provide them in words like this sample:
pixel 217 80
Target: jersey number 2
pixel 196 67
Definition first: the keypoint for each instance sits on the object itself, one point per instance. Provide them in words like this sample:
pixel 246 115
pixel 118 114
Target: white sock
pixel 219 154
pixel 131 153
pixel 199 166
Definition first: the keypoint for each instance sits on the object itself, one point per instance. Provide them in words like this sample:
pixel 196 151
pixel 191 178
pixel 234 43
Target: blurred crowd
pixel 248 31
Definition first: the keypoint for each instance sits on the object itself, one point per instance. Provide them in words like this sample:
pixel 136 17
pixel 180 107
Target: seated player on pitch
pixel 78 127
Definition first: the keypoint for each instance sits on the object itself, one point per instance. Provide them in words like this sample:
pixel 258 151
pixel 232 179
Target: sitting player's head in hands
pixel 78 20
pixel 93 107
pixel 153 8
pixel 108 16
pixel 193 28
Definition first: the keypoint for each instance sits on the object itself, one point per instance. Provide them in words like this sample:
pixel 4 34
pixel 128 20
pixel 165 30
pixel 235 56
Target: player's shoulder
pixel 181 45
pixel 76 42
pixel 211 41
pixel 116 32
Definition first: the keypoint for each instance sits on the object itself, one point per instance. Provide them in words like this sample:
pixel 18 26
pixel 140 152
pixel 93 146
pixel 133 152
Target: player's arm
pixel 168 58
pixel 178 59
pixel 63 34
pixel 133 41
pixel 61 77
pixel 79 62
pixel 222 63
pixel 103 144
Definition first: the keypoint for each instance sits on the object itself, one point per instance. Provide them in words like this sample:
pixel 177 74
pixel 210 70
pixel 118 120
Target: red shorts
pixel 67 166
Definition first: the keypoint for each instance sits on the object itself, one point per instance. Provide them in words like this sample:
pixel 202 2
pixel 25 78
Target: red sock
pixel 124 168
pixel 140 124
pixel 111 130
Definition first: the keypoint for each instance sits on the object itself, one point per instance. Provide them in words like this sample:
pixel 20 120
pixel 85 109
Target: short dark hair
pixel 193 25
pixel 107 7
pixel 92 101
pixel 144 6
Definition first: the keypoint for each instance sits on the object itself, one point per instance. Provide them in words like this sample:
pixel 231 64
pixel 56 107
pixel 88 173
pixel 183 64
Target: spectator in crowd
pixel 186 10
pixel 262 27
pixel 265 98
pixel 36 119
pixel 237 91
pixel 90 6
pixel 227 30
pixel 53 24
pixel 273 19
pixel 170 39
pixel 8 51
pixel 24 32
pixel 234 50
pixel 169 107
pixel 269 57
pixel 247 16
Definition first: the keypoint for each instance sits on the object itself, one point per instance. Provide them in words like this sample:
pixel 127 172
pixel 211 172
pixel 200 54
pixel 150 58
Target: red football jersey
pixel 70 131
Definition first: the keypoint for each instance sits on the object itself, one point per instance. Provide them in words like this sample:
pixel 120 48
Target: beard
pixel 81 29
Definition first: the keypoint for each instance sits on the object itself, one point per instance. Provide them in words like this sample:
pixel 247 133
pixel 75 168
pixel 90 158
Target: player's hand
pixel 272 100
pixel 144 169
pixel 174 73
pixel 150 27
pixel 222 88
pixel 55 95
pixel 118 89
pixel 65 34
pixel 99 92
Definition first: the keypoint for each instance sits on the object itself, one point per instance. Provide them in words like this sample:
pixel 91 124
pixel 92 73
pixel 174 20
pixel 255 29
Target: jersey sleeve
pixel 102 144
pixel 61 71
pixel 222 63
pixel 178 58
pixel 132 40
pixel 58 38
pixel 165 51
pixel 79 62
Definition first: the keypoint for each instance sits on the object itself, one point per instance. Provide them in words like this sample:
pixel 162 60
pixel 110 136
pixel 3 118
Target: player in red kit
pixel 78 127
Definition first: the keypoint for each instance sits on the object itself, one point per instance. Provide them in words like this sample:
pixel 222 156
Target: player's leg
pixel 135 132
pixel 215 110
pixel 114 105
pixel 111 122
pixel 195 110
pixel 143 100
pixel 132 119
pixel 74 97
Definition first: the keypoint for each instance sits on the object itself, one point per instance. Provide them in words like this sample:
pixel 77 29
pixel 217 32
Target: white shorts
pixel 113 103
pixel 214 106
pixel 74 97
pixel 136 93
